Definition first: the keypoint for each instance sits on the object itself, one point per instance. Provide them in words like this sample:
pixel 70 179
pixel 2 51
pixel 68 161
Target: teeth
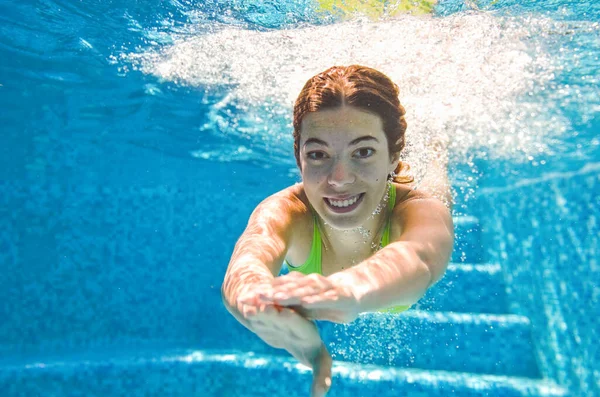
pixel 344 203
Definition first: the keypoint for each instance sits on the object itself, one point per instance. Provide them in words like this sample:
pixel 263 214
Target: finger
pixel 321 374
pixel 249 311
pixel 286 313
pixel 256 292
pixel 308 288
pixel 267 309
pixel 317 303
pixel 286 288
pixel 314 285
pixel 292 277
pixel 252 297
pixel 296 300
pixel 265 297
pixel 247 298
pixel 313 280
pixel 263 312
pixel 295 297
pixel 329 297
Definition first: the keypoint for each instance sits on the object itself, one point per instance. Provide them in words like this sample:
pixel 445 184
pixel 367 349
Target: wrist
pixel 347 285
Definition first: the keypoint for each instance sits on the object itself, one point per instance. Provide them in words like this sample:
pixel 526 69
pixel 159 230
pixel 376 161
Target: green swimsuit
pixel 313 263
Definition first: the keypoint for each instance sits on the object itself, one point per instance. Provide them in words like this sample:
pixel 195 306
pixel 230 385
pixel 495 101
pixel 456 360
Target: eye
pixel 316 155
pixel 364 152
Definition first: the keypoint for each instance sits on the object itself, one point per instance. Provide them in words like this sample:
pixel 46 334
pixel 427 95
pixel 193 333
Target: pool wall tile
pixel 545 234
pixel 91 266
pixel 214 373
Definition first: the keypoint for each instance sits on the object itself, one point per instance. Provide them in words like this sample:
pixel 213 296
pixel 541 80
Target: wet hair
pixel 363 88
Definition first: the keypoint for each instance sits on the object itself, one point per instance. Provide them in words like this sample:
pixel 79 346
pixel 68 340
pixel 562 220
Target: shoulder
pixel 284 210
pixel 289 202
pixel 424 223
pixel 406 193
pixel 414 205
pixel 291 217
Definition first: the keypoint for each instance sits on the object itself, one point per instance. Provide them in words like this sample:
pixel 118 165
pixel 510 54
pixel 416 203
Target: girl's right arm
pixel 256 261
pixel 260 251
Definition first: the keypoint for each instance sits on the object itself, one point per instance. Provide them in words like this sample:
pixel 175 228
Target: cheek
pixel 378 171
pixel 313 176
pixel 370 174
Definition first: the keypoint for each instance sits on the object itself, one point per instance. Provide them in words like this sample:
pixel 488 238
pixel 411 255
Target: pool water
pixel 137 137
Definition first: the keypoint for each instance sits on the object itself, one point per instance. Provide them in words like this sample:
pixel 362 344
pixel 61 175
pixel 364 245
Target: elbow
pixel 436 257
pixel 226 294
pixel 437 268
pixel 434 261
pixel 435 274
pixel 228 301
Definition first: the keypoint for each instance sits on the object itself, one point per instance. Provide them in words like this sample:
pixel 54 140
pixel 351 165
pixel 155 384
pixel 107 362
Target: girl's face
pixel 345 163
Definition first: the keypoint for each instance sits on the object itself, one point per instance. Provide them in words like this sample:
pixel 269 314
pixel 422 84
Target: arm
pixel 256 260
pixel 259 252
pixel 401 272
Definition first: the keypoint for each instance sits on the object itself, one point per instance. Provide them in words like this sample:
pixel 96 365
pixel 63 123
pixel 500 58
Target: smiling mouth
pixel 346 205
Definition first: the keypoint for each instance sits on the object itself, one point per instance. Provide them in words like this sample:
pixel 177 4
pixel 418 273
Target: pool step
pixel 232 373
pixel 468 288
pixel 462 342
pixel 467 240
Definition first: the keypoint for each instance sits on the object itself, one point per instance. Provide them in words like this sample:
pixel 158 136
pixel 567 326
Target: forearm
pixel 396 275
pixel 244 274
pixel 253 262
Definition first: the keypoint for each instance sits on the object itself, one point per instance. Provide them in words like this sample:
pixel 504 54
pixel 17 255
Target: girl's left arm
pixel 398 274
pixel 417 257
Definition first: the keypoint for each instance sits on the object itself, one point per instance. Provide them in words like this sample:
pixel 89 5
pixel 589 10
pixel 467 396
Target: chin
pixel 343 224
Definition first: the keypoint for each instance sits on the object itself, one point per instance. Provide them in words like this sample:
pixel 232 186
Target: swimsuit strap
pixel 385 239
pixel 314 258
pixel 313 263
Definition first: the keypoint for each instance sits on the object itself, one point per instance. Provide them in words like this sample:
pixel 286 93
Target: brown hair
pixel 361 87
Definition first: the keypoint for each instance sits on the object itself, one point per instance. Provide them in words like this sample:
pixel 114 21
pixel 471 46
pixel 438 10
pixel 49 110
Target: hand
pixel 284 328
pixel 314 296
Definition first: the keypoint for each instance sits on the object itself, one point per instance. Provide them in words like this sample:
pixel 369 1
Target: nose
pixel 340 174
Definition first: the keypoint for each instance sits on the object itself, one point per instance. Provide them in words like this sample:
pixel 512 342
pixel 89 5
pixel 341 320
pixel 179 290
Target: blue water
pixel 137 137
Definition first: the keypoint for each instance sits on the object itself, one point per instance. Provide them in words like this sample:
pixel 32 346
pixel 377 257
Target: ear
pixel 394 162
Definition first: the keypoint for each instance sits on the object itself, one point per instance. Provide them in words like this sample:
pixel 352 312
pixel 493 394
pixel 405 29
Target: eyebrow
pixel 353 142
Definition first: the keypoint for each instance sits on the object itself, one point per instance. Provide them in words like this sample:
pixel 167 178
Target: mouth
pixel 346 205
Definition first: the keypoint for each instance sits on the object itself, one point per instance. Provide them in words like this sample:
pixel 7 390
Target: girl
pixel 356 235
